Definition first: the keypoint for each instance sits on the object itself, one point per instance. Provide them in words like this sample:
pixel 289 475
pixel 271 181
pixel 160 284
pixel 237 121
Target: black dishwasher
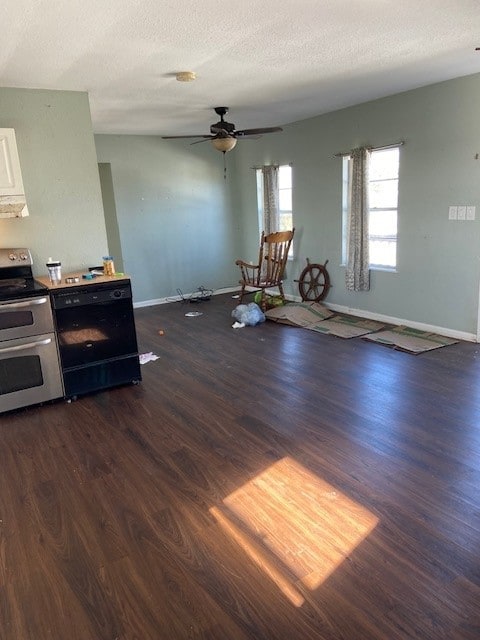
pixel 96 334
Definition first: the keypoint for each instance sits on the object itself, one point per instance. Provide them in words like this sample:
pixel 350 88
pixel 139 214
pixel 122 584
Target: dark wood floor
pixel 260 483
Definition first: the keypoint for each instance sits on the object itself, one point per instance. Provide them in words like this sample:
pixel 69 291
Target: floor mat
pixel 299 314
pixel 410 340
pixel 347 326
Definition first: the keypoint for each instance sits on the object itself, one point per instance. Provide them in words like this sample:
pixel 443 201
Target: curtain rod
pixel 386 146
pixel 290 164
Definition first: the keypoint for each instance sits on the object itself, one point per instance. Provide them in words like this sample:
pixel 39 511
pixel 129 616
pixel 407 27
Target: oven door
pixel 29 371
pixel 25 317
pixel 95 332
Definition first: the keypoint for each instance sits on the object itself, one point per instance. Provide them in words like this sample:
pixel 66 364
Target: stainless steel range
pixel 29 364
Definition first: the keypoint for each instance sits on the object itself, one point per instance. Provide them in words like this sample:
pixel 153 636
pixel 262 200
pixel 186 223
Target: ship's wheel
pixel 314 282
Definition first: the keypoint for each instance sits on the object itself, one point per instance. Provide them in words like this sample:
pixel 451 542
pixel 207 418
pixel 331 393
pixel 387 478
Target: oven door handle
pixel 28 345
pixel 26 303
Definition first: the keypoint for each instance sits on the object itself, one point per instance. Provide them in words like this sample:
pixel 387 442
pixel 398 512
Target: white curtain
pixel 357 275
pixel 271 215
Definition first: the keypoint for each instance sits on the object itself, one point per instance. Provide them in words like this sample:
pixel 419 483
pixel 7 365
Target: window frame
pixel 285 213
pixel 371 237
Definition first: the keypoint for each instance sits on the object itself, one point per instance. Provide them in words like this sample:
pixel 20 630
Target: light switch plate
pixel 452 213
pixel 461 212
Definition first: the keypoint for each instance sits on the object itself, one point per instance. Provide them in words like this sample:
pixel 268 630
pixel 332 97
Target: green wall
pixel 110 212
pixel 175 217
pixel 60 175
pixel 182 225
pixel 437 279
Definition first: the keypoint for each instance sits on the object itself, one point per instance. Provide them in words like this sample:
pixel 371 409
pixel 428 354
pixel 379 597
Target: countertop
pixel 82 281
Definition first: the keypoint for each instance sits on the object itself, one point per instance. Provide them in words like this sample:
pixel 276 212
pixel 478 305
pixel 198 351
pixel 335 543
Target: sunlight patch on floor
pixel 294 525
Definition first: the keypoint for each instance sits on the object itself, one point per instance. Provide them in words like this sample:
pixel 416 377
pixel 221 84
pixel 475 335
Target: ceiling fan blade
pixel 222 135
pixel 225 131
pixel 256 132
pixel 206 139
pixel 192 136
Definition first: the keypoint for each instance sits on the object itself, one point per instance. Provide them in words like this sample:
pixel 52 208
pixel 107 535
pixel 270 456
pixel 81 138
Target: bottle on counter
pixel 108 266
pixel 54 271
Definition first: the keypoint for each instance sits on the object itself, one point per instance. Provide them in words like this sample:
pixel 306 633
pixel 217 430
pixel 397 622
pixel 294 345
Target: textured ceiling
pixel 271 61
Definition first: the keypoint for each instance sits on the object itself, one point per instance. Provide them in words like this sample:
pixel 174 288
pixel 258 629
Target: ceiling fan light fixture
pixel 224 144
pixel 185 76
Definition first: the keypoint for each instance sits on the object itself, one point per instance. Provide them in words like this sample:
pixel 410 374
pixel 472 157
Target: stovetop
pixel 26 288
pixel 16 276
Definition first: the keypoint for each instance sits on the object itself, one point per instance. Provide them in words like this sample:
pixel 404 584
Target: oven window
pixel 19 373
pixel 12 319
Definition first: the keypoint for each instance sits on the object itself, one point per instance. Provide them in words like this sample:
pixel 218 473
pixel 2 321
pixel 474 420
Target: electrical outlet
pixel 471 213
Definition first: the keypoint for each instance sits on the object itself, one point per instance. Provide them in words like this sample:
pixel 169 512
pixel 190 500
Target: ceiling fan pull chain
pixel 224 166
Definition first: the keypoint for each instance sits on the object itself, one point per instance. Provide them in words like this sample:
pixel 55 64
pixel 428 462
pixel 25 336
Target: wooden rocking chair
pixel 269 270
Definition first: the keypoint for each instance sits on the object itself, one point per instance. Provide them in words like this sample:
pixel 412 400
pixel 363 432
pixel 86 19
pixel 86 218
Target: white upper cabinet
pixel 12 194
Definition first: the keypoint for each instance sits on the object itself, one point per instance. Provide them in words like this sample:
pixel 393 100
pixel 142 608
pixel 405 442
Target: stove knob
pixel 12 256
pixel 23 256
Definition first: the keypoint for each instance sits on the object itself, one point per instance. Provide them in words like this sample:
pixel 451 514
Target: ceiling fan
pixel 223 134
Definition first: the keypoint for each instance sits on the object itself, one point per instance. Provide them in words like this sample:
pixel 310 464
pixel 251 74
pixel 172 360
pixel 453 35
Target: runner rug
pixel 410 340
pixel 299 314
pixel 347 326
pixel 316 317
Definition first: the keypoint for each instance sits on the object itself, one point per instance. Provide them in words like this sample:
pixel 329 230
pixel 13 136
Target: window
pixel 285 214
pixel 284 198
pixel 383 196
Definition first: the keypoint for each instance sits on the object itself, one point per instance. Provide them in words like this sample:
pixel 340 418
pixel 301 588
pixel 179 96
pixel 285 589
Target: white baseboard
pixel 421 326
pixel 361 313
pixel 155 301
